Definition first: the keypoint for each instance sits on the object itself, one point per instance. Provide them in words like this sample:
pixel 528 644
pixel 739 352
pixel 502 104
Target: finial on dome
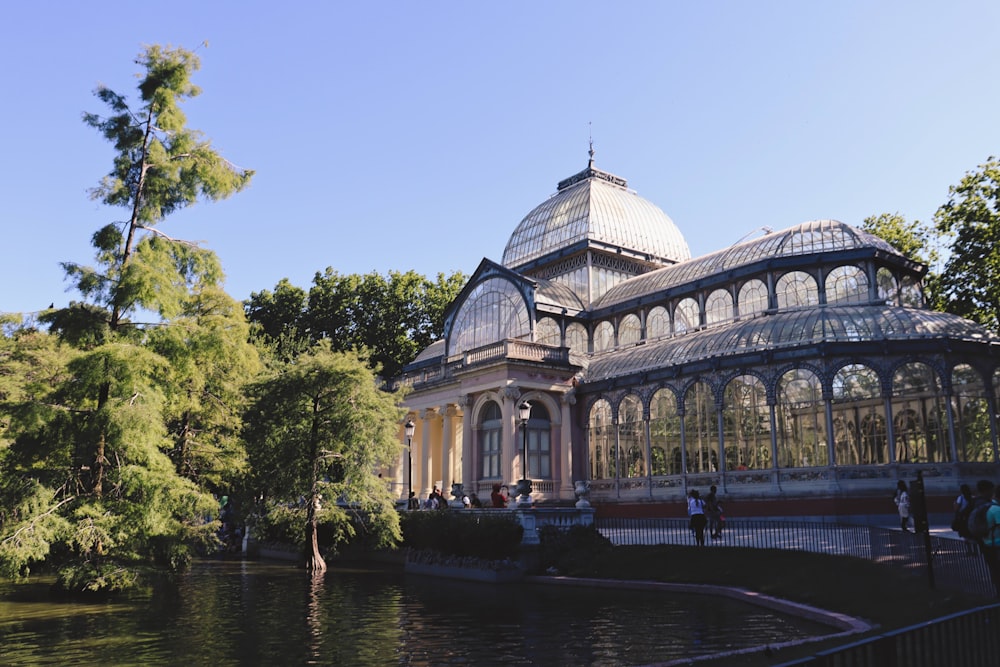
pixel 591 151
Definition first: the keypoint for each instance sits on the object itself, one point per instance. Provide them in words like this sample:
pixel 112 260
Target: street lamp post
pixel 524 485
pixel 408 429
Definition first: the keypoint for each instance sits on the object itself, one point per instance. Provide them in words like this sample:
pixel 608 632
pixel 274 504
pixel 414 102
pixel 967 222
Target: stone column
pixel 426 463
pixel 470 456
pixel 566 401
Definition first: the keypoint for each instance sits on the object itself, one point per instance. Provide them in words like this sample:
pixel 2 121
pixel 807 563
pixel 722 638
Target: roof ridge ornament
pixel 591 172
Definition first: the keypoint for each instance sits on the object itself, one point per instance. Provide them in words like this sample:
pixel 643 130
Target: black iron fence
pixel 969 639
pixel 945 563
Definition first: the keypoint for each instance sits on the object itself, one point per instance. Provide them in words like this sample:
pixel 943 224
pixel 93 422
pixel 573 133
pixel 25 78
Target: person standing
pixel 902 500
pixel 960 523
pixel 696 510
pixel 714 512
pixel 991 543
pixel 496 498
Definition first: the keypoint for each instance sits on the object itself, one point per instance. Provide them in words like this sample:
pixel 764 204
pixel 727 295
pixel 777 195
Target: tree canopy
pixel 391 317
pixel 970 282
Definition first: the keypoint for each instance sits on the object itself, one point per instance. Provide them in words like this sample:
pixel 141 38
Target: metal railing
pixel 968 638
pixel 952 565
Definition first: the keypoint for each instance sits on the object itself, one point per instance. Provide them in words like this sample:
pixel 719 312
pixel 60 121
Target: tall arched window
pixel 747 424
pixel 629 330
pixel 796 289
pixel 846 284
pixel 600 437
pixel 752 298
pixel 547 332
pixel 859 419
pixel 490 438
pixel 539 442
pixel 972 419
pixel 917 407
pixel 493 311
pixel 576 338
pixel 657 323
pixel 801 416
pixel 631 437
pixel 686 316
pixel 664 434
pixel 604 336
pixel 701 431
pixel 718 307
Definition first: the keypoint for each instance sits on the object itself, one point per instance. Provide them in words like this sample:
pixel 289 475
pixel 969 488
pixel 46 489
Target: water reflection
pixel 252 613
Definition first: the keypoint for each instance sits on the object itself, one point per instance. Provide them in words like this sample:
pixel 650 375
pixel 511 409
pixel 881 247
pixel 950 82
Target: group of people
pixel 436 501
pixel 705 512
pixel 977 520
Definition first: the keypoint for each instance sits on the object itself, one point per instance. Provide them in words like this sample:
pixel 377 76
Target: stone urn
pixel 581 488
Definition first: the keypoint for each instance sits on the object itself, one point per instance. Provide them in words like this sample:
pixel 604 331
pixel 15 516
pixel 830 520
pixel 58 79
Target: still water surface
pixel 257 613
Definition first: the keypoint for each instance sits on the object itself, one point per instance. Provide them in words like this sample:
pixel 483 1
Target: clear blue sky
pixel 416 135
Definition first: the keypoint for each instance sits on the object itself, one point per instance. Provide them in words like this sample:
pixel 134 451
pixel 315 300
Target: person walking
pixel 696 510
pixel 902 500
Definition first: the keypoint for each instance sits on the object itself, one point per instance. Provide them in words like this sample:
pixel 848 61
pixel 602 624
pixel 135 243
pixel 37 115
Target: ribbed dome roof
pixel 596 207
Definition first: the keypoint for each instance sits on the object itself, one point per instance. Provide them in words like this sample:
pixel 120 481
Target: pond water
pixel 259 613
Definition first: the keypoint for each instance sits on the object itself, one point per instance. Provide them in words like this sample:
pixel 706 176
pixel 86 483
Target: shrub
pixel 571 552
pixel 486 535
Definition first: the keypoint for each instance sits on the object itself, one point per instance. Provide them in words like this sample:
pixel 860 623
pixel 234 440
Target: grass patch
pixel 881 594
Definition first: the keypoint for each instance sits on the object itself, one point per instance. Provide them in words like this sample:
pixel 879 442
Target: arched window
pixel 493 311
pixel 547 332
pixel 718 307
pixel 846 284
pixel 631 438
pixel 604 336
pixel 801 416
pixel 888 289
pixel 796 289
pixel 664 434
pixel 701 439
pixel 752 298
pixel 909 292
pixel 600 437
pixel 859 418
pixel 917 403
pixel 539 442
pixel 576 338
pixel 657 323
pixel 686 316
pixel 746 425
pixel 490 437
pixel 972 419
pixel 629 330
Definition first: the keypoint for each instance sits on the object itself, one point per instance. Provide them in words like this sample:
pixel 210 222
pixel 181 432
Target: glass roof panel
pixel 804 239
pixel 597 210
pixel 801 328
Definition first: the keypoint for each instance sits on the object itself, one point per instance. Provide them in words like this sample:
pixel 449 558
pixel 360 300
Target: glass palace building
pixel 802 364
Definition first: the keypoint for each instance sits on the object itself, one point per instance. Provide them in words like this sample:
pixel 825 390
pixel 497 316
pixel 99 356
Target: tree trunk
pixel 314 559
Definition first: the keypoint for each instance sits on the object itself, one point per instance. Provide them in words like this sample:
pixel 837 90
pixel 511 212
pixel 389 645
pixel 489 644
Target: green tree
pixel 93 465
pixel 916 241
pixel 391 317
pixel 211 361
pixel 320 431
pixel 970 282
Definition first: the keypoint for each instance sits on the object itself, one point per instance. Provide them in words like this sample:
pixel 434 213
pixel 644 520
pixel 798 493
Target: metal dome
pixel 596 208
